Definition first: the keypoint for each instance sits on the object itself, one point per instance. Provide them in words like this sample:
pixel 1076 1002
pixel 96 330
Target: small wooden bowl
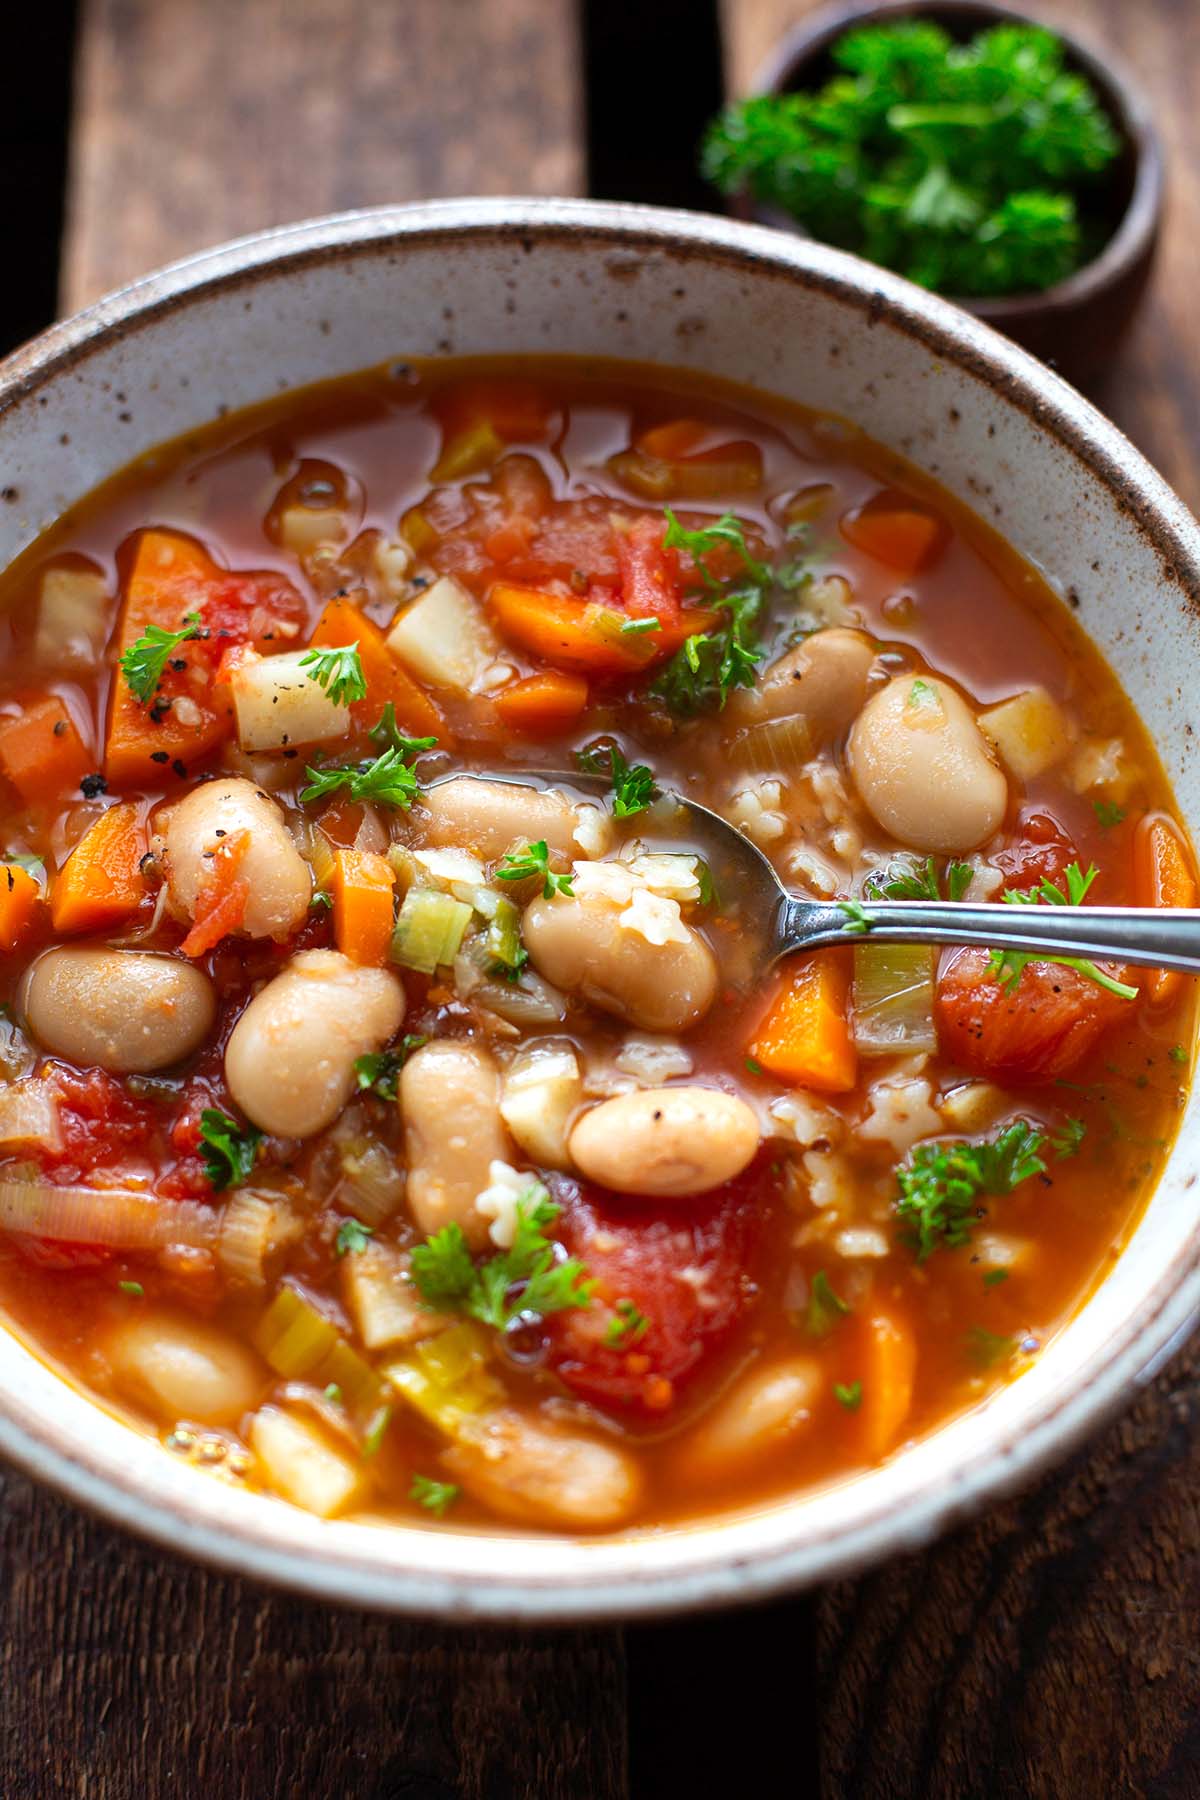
pixel 1076 323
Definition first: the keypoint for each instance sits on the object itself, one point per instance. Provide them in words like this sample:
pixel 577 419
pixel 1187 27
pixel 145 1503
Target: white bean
pixel 761 1410
pixel 823 680
pixel 669 1141
pixel 279 879
pixel 579 943
pixel 450 1101
pixel 538 1474
pixel 923 767
pixel 124 1010
pixel 290 1058
pixel 183 1368
pixel 488 817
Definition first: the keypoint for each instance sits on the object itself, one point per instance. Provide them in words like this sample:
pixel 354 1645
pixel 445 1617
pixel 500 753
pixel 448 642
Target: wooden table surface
pixel 1053 1649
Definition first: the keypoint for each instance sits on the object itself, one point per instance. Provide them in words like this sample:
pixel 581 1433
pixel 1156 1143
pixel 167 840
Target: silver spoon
pixel 777 922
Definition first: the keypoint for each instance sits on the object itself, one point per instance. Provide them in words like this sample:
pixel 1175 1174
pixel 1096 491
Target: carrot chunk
pixel 889 1364
pixel 544 704
pixel 805 1038
pixel 1162 876
pixel 361 888
pixel 42 753
pixel 101 883
pixel 586 635
pixel 895 532
pixel 343 623
pixel 20 904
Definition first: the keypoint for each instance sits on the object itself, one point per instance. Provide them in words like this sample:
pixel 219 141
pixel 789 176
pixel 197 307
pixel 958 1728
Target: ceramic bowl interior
pixel 787 316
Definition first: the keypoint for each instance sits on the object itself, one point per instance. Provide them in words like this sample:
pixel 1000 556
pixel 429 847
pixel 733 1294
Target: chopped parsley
pixel 627 1326
pixel 940 1187
pixel 332 1393
pixel 134 1289
pixel 640 627
pixel 143 663
pixel 388 780
pixel 1107 813
pixel 987 1348
pixel 910 880
pixel 436 1497
pixel 321 900
pixel 994 1277
pixel 710 664
pixel 725 531
pixel 535 860
pixel 633 788
pixel 825 1308
pixel 859 923
pixel 753 1067
pixel 1177 1053
pixel 1007 966
pixel 378 1072
pixel 531 1277
pixel 352 1237
pixel 374 1434
pixel 960 165
pixel 848 1394
pixel 338 669
pixel 388 735
pixel 229 1151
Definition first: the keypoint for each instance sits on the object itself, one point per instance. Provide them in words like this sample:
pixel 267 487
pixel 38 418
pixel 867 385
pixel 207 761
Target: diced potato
pixel 299 1462
pixel 382 1300
pixel 303 529
pixel 443 638
pixel 277 704
pixel 1029 733
pixel 72 618
pixel 975 1106
pixel 1102 766
pixel 542 1089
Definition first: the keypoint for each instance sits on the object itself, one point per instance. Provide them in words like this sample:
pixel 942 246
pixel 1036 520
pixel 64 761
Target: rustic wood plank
pixel 126 1674
pixel 1053 1650
pixel 197 120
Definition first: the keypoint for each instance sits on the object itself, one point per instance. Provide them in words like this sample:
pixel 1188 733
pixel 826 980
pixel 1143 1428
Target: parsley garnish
pixel 940 1187
pixel 333 1394
pixel 848 1394
pixel 378 1072
pixel 373 1437
pixel 908 880
pixel 436 1497
pixel 134 1289
pixel 709 664
pixel 1177 1053
pixel 388 780
pixel 144 661
pixel 527 1278
pixel 627 1326
pixel 352 1237
pixel 321 900
pixel 338 669
pixel 956 164
pixel 994 1277
pixel 1007 966
pixel 1107 813
pixel 988 1347
pixel 825 1308
pixel 388 735
pixel 639 627
pixel 535 860
pixel 856 913
pixel 229 1152
pixel 633 788
pixel 727 530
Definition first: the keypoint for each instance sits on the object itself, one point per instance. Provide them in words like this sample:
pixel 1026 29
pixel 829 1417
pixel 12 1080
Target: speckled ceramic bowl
pixel 791 316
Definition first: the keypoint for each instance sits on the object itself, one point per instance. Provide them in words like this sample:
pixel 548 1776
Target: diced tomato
pixel 1040 851
pixel 55 1254
pixel 222 896
pixel 684 1271
pixel 1040 1029
pixel 650 585
pixel 100 1121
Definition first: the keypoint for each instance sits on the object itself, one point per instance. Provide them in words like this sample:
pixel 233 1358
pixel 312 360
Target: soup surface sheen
pixel 412 1147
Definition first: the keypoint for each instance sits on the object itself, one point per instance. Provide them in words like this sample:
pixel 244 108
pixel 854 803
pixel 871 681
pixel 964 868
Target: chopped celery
pixel 429 930
pixel 502 940
pixel 605 625
pixel 893 998
pixel 474 448
pixel 446 1378
pixel 302 1344
pixel 322 859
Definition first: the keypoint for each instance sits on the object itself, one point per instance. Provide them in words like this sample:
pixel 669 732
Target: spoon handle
pixel 1159 937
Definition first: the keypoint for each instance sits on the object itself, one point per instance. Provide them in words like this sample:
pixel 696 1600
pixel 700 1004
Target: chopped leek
pixel 123 1218
pixel 502 941
pixel 780 747
pixel 429 930
pixel 301 1343
pixel 893 998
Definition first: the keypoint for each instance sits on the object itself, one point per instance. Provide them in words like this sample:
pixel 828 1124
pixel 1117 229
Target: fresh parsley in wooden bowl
pixel 967 147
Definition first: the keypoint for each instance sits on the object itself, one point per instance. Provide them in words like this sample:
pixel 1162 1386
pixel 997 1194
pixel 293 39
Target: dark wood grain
pixel 198 120
pixel 1053 1651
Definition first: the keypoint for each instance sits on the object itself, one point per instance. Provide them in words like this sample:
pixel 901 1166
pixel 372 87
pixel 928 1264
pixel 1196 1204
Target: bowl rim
pixel 1136 231
pixel 702 1575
